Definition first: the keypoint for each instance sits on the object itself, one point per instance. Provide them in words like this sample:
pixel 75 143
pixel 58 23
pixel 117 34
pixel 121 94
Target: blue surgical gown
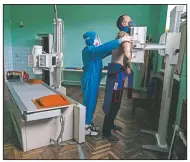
pixel 92 69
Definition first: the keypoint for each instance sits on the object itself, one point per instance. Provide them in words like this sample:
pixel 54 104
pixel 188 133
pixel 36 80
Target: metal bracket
pixel 158 147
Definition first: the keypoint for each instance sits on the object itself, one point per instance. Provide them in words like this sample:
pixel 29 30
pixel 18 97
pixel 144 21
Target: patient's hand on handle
pixel 127 66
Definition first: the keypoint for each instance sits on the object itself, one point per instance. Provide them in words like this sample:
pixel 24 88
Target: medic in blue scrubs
pixel 92 56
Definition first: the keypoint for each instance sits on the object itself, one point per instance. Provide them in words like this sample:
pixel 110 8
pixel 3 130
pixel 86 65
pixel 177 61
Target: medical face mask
pixel 127 28
pixel 131 24
pixel 97 41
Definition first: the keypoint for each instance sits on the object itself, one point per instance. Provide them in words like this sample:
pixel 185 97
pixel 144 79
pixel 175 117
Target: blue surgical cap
pixel 89 38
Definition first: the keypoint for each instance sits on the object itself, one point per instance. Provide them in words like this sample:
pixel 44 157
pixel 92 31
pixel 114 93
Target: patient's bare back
pixel 118 55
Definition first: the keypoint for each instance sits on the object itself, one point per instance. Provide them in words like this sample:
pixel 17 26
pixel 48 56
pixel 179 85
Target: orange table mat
pixel 50 101
pixel 34 81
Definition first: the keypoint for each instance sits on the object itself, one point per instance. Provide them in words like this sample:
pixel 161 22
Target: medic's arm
pixel 107 55
pixel 104 50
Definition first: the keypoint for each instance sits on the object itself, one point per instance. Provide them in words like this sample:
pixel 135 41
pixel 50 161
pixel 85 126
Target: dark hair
pixel 120 20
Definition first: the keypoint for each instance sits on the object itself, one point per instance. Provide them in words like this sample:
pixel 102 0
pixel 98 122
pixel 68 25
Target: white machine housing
pixel 42 61
pixel 52 61
pixel 139 34
pixel 36 127
pixel 47 61
pixel 168 44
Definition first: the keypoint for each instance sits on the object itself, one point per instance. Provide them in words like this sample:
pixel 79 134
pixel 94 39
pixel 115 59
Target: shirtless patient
pixel 118 70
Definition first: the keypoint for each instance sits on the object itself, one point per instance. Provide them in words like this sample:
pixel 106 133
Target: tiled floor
pixel 129 146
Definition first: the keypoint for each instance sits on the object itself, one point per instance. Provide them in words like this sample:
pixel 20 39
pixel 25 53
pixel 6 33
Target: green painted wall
pixel 8 63
pixel 161 13
pixel 77 20
pixel 7 27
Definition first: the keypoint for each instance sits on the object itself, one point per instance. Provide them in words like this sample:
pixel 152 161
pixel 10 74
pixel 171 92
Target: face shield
pixel 97 41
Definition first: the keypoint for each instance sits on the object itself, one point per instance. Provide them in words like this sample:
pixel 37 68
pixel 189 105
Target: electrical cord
pixel 59 140
pixel 60 137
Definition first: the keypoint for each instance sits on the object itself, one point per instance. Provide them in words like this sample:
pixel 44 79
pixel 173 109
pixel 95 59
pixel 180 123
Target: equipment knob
pixel 177 51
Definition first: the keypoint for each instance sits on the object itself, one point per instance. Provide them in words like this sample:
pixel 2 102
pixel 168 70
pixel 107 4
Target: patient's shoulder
pixel 121 34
